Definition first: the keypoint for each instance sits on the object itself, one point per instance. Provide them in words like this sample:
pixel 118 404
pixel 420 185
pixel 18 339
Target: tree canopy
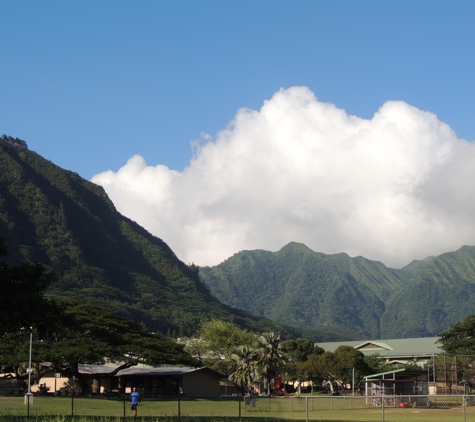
pixel 22 291
pixel 109 338
pixel 223 337
pixel 334 367
pixel 460 338
pixel 300 349
pixel 244 367
pixel 217 343
pixel 270 356
pixel 93 335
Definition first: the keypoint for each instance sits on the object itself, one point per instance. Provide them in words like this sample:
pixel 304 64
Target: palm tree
pixel 244 361
pixel 270 356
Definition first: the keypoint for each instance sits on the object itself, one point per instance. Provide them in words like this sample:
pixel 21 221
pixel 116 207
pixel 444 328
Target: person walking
pixel 134 400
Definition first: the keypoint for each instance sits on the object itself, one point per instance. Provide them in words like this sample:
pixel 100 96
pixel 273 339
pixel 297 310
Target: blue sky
pixel 90 84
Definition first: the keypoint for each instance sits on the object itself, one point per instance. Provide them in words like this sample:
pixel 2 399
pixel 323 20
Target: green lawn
pixel 354 409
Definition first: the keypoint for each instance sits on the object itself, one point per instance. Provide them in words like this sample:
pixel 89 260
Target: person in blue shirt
pixel 134 400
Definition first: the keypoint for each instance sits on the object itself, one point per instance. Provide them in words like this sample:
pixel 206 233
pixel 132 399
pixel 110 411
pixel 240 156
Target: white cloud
pixel 398 187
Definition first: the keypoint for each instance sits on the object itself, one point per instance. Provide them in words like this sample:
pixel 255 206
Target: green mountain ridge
pixel 441 294
pixel 299 287
pixel 416 266
pixel 353 297
pixel 52 216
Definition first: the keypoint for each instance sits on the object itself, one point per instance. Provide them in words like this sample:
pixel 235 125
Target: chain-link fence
pixel 452 374
pixel 310 408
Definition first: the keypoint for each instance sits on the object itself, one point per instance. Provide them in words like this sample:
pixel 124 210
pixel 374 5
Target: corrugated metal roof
pixel 96 369
pixel 167 370
pixel 405 370
pixel 141 369
pixel 424 346
pixel 398 375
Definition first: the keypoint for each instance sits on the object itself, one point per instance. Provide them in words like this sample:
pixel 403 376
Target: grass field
pixel 351 409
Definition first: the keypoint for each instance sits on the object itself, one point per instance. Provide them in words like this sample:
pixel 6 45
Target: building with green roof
pixel 443 375
pixel 393 351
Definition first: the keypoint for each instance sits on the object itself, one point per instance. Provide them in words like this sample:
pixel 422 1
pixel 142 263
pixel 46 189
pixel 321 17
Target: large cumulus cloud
pixel 398 187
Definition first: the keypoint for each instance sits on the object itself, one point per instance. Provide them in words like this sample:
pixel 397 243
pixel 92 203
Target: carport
pixel 397 383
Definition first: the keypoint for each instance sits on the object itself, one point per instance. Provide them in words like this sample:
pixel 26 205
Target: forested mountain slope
pixel 353 297
pixel 441 294
pixel 53 216
pixel 306 289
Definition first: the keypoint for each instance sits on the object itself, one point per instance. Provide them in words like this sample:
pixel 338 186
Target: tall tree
pixel 14 357
pixel 299 351
pixel 312 369
pixel 376 364
pixel 337 367
pixel 223 337
pixel 270 356
pixel 244 365
pixel 22 291
pixel 348 359
pixel 216 343
pixel 460 338
pixel 93 335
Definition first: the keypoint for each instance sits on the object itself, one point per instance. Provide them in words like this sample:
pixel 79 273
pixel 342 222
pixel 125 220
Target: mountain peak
pixel 14 141
pixel 54 217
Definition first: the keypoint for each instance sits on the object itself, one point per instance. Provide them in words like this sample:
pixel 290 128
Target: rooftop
pixel 424 346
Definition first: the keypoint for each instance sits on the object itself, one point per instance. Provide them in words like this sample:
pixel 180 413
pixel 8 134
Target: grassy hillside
pixel 53 216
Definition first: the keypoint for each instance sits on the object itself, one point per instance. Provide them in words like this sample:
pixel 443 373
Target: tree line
pixel 68 332
pixel 246 357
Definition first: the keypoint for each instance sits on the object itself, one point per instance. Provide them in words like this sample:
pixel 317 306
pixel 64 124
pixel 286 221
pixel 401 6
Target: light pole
pixel 353 383
pixel 29 396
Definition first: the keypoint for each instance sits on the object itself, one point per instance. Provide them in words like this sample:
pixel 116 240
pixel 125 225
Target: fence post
pixel 239 401
pixel 125 398
pixel 179 407
pixel 464 405
pixel 306 409
pixel 72 404
pixel 382 408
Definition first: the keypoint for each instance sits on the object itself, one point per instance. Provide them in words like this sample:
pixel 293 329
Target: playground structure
pixel 279 389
